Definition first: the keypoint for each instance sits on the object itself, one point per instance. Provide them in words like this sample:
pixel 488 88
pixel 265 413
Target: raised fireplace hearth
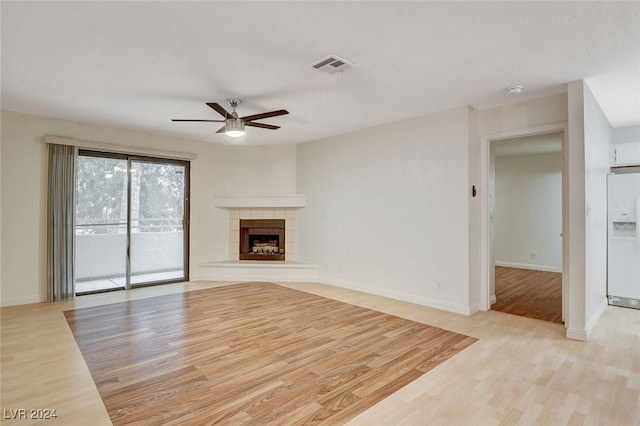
pixel 262 239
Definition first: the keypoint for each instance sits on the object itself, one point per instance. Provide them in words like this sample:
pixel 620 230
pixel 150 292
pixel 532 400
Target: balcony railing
pixel 157 245
pixel 119 226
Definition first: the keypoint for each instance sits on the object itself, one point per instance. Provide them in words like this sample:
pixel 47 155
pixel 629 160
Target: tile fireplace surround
pixel 253 207
pixel 262 206
pixel 288 214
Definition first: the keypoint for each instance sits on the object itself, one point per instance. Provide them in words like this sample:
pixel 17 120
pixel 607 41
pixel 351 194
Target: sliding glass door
pixel 131 222
pixel 101 224
pixel 157 221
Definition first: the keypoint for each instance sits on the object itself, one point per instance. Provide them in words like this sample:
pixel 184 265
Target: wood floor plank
pixel 529 293
pixel 251 353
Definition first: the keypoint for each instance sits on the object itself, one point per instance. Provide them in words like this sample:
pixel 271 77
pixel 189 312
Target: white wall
pixel 625 134
pixel 474 206
pixel 588 151
pixel 217 169
pixel 414 190
pixel 575 234
pixel 388 209
pixel 597 138
pixel 536 112
pixel 528 211
pixel 1 216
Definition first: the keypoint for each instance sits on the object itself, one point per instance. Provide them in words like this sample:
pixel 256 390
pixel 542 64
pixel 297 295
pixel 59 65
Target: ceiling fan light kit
pixel 234 125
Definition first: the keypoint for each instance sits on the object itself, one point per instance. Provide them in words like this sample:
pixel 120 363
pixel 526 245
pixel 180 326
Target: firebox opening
pixel 262 239
pixel 264 244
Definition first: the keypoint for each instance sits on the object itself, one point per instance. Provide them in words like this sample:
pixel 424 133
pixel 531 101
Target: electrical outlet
pixel 533 255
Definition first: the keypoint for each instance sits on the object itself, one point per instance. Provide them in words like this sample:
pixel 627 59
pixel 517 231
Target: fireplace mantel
pixel 258 201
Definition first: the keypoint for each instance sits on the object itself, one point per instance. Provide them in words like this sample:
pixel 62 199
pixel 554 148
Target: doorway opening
pixel 131 222
pixel 524 210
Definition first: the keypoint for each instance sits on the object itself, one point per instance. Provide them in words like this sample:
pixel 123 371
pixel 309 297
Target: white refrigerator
pixel 623 265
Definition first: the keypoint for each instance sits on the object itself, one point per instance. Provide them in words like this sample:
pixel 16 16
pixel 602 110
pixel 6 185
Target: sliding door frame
pixel 185 215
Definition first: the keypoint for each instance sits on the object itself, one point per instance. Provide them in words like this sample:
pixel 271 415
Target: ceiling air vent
pixel 332 64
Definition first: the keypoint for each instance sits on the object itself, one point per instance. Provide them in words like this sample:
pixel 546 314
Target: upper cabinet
pixel 625 154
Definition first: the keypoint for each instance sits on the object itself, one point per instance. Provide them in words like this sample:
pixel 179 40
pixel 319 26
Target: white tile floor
pixel 119 282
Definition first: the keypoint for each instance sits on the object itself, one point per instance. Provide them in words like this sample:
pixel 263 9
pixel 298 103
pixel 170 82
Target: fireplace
pixel 262 239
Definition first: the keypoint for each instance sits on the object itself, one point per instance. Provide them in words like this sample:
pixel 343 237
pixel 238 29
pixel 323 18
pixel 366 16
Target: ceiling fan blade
pixel 209 121
pixel 223 112
pixel 221 129
pixel 265 115
pixel 261 125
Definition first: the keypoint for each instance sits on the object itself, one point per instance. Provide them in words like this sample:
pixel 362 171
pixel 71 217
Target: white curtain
pixel 61 222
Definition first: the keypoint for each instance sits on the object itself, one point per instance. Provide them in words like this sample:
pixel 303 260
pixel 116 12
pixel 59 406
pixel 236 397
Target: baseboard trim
pixel 577 334
pixel 493 299
pixel 546 268
pixel 254 278
pixel 583 334
pixel 404 297
pixel 22 300
pixel 474 308
pixel 594 319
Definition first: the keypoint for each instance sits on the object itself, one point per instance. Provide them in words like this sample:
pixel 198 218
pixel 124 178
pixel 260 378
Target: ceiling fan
pixel 234 125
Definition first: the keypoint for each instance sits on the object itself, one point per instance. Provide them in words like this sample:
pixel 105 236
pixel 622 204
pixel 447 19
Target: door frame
pixel 185 216
pixel 486 252
pixel 186 213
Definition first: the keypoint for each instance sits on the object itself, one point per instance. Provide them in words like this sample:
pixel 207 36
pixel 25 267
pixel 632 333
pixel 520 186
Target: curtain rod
pixel 118 148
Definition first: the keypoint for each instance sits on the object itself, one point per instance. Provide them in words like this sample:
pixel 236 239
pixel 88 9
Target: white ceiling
pixel 136 65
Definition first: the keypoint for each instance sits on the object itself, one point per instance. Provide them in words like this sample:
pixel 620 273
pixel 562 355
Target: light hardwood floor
pixel 521 371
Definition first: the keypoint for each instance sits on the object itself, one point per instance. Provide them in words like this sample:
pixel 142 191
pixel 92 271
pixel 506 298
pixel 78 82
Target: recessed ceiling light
pixel 514 90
